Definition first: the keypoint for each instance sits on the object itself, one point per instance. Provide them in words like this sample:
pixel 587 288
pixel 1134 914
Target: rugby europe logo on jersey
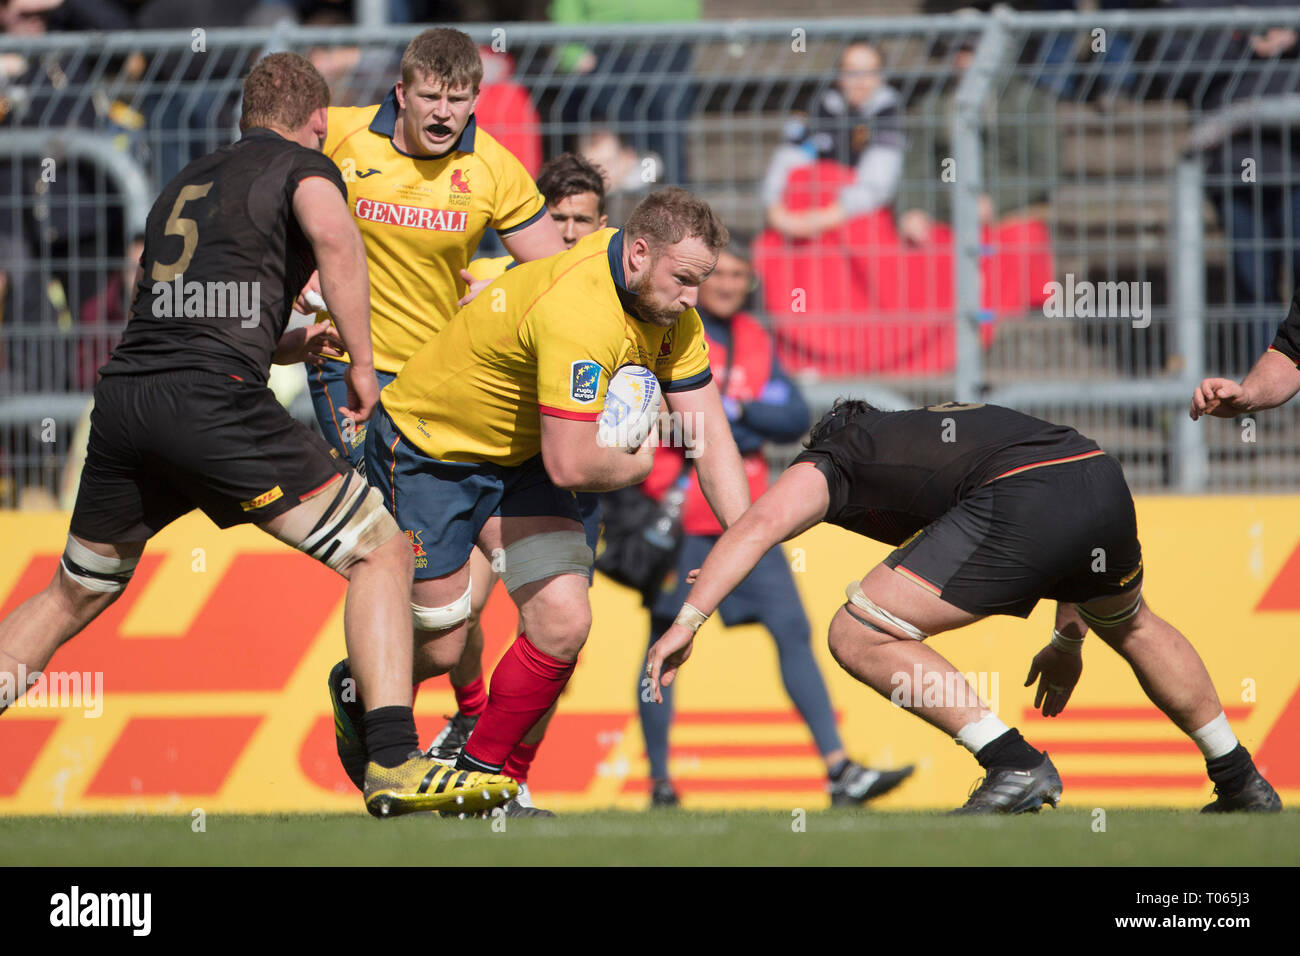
pixel 414 217
pixel 584 381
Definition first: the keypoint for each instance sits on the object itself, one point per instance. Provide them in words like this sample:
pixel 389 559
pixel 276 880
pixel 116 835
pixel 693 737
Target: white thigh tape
pixel 872 609
pixel 545 555
pixel 95 572
pixel 354 528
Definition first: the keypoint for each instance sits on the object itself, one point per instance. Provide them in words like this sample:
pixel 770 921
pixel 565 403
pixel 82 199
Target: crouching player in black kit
pixel 183 419
pixel 990 511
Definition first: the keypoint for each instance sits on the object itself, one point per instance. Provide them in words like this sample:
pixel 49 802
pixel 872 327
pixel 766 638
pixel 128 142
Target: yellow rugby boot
pixel 422 783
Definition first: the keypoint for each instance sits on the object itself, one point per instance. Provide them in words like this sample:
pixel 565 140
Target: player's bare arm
pixel 1273 381
pixel 794 504
pixel 576 461
pixel 537 241
pixel 340 253
pixel 713 450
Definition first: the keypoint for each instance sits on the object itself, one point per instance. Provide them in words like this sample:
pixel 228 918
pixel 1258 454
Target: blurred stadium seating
pixel 1148 117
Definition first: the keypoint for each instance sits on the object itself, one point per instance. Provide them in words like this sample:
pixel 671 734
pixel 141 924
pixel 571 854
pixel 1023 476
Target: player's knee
pixel 841 636
pixel 1119 628
pixel 435 656
pixel 851 635
pixel 562 631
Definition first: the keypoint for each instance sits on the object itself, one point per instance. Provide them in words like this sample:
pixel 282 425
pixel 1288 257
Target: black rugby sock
pixel 1230 771
pixel 390 735
pixel 1010 751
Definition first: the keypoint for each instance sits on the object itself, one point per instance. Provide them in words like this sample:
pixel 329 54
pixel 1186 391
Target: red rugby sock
pixel 472 698
pixel 520 760
pixel 524 686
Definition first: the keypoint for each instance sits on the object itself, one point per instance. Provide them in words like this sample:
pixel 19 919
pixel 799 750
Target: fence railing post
pixel 1187 268
pixel 968 149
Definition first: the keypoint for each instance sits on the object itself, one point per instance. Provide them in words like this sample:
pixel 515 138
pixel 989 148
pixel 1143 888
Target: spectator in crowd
pixel 629 175
pixel 104 316
pixel 643 90
pixel 1253 171
pixel 45 207
pixel 1018 168
pixel 763 405
pixel 856 123
pixel 626 170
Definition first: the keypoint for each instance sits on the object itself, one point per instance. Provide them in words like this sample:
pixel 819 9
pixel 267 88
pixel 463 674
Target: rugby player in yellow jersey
pixel 574 191
pixel 490 429
pixel 424 184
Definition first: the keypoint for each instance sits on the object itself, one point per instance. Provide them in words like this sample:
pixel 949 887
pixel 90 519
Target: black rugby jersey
pixel 1288 334
pixel 892 473
pixel 224 258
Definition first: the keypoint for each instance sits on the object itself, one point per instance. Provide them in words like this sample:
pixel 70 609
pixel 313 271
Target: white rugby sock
pixel 1216 738
pixel 978 734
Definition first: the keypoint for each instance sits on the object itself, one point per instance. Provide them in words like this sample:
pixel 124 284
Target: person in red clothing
pixel 762 405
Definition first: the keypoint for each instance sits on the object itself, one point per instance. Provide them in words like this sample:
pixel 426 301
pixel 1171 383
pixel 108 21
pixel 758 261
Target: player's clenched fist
pixel 1221 397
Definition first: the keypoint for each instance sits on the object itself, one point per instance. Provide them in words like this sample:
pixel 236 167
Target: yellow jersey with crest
pixel 543 339
pixel 422 218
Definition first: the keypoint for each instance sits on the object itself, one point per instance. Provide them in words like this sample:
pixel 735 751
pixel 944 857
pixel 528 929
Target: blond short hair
pixel 449 56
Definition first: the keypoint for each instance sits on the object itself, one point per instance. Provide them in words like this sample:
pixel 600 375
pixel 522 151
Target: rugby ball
pixel 631 410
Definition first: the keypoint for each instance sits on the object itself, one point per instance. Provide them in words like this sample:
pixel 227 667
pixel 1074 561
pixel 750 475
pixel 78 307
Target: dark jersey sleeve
pixel 1288 334
pixel 829 458
pixel 309 163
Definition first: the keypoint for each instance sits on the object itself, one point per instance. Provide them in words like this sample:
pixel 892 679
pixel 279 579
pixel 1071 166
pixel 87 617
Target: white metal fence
pixel 1093 210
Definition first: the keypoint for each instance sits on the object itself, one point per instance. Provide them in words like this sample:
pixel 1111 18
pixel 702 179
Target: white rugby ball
pixel 631 410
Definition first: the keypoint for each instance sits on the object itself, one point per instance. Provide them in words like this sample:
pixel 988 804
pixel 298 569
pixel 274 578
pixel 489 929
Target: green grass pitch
pixel 675 838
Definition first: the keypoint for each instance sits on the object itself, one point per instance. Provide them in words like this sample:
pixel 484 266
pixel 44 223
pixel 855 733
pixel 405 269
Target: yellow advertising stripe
pixel 68 762
pixel 193 565
pixel 622 761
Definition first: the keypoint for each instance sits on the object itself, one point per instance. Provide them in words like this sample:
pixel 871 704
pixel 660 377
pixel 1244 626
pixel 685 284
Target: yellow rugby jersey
pixel 485 268
pixel 543 339
pixel 422 218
